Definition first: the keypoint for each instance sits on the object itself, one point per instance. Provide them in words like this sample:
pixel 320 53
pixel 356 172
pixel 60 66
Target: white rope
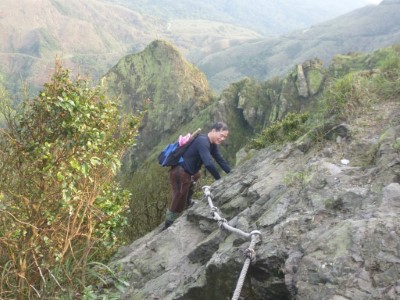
pixel 255 237
pixel 250 257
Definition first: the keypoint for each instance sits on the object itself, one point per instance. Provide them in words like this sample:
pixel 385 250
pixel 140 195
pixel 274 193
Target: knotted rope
pixel 254 236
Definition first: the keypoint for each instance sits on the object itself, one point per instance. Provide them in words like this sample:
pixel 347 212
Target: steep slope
pixel 364 29
pixel 178 100
pixel 160 80
pixel 327 213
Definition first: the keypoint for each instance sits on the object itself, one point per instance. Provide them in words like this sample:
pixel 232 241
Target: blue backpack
pixel 172 153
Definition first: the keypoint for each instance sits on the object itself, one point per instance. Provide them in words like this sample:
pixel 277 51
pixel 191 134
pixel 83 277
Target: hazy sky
pixel 374 1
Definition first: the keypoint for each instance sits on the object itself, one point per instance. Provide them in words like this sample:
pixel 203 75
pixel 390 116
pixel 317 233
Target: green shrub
pixel 390 64
pixel 388 84
pixel 288 129
pixel 61 206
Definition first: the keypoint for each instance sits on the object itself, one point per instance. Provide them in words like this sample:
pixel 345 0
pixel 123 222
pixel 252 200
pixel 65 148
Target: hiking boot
pixel 167 224
pixel 190 203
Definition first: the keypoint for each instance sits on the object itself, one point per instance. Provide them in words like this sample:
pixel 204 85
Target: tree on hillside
pixel 60 205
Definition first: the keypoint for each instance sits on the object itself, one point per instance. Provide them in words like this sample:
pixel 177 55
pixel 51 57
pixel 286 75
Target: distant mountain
pixel 268 17
pixel 92 35
pixel 364 30
pixel 88 35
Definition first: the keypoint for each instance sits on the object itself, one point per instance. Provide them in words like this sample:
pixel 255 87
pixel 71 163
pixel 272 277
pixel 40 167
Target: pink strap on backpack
pixel 183 139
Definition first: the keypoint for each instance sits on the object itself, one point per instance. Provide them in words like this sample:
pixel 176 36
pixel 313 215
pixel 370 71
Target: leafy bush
pixel 288 129
pixel 61 207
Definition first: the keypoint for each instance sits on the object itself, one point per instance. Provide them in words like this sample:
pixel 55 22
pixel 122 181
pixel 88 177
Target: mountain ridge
pixel 72 30
pixel 363 30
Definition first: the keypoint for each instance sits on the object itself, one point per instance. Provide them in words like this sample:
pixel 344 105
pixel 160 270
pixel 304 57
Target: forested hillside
pixel 91 36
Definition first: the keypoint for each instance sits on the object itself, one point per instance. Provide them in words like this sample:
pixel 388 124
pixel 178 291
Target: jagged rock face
pixel 186 99
pixel 330 226
pixel 264 103
pixel 160 81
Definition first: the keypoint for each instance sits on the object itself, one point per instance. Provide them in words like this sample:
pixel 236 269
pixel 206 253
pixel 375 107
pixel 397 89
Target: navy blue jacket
pixel 201 151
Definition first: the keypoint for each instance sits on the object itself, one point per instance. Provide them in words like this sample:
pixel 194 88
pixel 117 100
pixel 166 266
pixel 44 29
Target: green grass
pixel 343 97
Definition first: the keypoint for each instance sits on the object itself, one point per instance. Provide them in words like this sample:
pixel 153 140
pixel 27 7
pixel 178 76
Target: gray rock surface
pixel 330 229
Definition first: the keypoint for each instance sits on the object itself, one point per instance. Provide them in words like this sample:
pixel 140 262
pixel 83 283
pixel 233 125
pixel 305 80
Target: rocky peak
pixel 138 80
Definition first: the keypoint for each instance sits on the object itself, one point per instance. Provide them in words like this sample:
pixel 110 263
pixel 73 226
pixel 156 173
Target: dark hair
pixel 220 126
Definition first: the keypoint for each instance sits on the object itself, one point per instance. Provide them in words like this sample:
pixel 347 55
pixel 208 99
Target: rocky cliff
pixel 162 83
pixel 327 213
pixel 176 98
